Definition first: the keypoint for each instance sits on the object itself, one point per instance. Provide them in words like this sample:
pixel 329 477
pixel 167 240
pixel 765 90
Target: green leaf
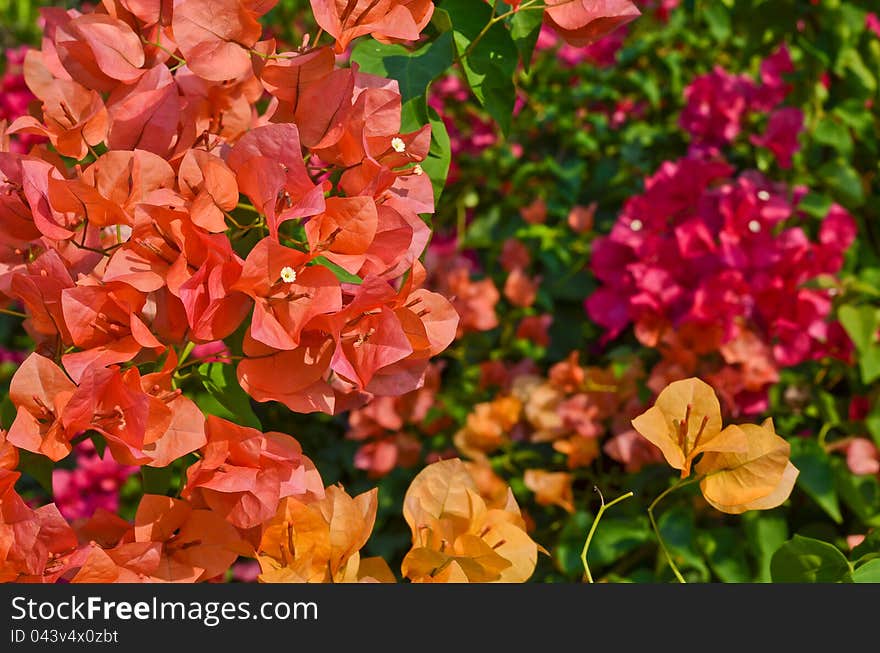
pixel 38 467
pixel 766 532
pixel 805 560
pixel 718 18
pixel 868 572
pixel 816 476
pixel 678 530
pixel 861 323
pixel 570 542
pixel 525 26
pixel 869 365
pixel 833 134
pixel 157 480
pixel 99 442
pixel 341 273
pixel 844 182
pixel 488 67
pixel 436 165
pixel 872 421
pixel 816 205
pixel 860 493
pixel 617 536
pixel 413 70
pixel 229 400
pixel 726 556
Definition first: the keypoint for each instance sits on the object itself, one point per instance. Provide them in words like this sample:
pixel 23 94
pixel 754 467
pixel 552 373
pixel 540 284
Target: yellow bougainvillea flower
pixel 685 421
pixel 457 538
pixel 319 542
pixel 760 478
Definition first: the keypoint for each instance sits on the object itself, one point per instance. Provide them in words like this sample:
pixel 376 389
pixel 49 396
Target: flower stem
pixel 497 18
pixel 653 505
pixel 588 577
pixel 7 311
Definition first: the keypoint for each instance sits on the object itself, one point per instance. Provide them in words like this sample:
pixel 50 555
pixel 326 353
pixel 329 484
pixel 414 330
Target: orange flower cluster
pixel 174 207
pixel 574 408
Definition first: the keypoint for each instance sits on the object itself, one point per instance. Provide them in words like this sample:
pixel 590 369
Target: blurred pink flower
pixel 873 23
pixel 781 135
pixel 715 106
pixel 723 255
pixel 94 483
pixel 15 97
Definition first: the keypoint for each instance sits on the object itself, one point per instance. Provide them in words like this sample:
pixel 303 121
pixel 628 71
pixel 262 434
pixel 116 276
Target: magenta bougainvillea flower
pixel 727 257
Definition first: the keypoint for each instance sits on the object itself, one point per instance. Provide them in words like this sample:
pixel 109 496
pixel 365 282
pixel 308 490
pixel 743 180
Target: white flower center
pixel 398 145
pixel 636 225
pixel 763 195
pixel 288 274
pixel 754 226
pixel 417 170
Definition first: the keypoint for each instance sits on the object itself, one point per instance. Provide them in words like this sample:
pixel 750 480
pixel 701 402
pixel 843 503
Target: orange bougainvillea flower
pixel 8 453
pixel 209 185
pixel 385 20
pixel 581 451
pixel 103 321
pixel 457 537
pixel 186 430
pixel 169 542
pixel 28 538
pixel 244 473
pixel 581 22
pixel 488 427
pixel 550 488
pixel 39 286
pixel 112 403
pixel 685 421
pixel 287 293
pixel 268 164
pixel 40 391
pixel 319 542
pixel 760 478
pixel 520 289
pixel 74 117
pixel 215 36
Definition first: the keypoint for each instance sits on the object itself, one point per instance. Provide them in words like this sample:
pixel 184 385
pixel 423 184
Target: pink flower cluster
pixel 479 134
pixel 719 103
pixel 94 483
pixel 15 97
pixel 602 53
pixel 725 259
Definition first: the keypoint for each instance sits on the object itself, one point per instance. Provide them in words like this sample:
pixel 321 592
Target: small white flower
pixel 417 170
pixel 754 226
pixel 288 274
pixel 636 225
pixel 398 145
pixel 763 195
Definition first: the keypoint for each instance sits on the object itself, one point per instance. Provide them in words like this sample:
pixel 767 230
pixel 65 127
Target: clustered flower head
pixel 580 410
pixel 124 245
pixel 718 104
pixel 707 263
